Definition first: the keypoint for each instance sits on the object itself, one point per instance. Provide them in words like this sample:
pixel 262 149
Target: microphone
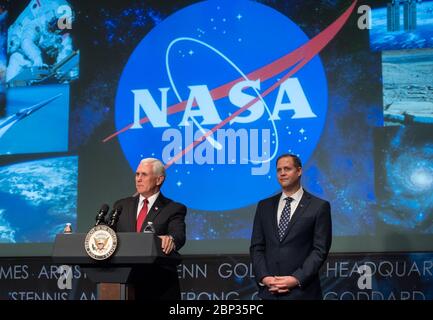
pixel 115 217
pixel 100 217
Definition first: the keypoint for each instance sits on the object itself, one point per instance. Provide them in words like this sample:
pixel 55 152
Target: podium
pixel 113 275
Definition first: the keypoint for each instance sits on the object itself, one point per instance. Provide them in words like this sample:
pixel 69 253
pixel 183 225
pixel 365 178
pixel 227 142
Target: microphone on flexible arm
pixel 115 217
pixel 100 217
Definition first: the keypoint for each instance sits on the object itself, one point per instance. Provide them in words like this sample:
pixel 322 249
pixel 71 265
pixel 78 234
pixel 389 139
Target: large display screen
pixel 217 90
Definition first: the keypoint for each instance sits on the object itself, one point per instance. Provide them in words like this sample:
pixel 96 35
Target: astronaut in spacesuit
pixel 37 42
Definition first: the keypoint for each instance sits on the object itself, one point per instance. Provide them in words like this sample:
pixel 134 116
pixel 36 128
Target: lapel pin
pixel 155 209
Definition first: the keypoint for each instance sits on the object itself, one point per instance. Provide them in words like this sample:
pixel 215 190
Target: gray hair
pixel 158 166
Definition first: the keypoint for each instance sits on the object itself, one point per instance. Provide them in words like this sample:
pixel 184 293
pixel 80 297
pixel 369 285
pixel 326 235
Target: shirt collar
pixel 151 200
pixel 295 196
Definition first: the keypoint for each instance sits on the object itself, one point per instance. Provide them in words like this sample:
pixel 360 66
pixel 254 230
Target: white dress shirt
pixel 293 205
pixel 151 200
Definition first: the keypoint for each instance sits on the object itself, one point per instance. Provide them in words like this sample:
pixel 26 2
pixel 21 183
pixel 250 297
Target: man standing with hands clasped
pixel 291 238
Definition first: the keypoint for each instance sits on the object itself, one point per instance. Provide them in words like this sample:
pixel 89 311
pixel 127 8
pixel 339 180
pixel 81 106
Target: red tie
pixel 142 215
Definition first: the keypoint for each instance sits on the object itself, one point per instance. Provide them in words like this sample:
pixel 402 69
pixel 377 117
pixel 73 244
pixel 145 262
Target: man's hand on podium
pixel 167 244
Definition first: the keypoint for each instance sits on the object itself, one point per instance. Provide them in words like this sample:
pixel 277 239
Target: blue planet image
pixel 37 199
pixel 421 37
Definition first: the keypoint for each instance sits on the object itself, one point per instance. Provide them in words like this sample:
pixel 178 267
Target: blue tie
pixel 285 218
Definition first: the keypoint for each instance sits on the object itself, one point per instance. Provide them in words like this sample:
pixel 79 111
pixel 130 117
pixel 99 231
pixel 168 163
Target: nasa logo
pixel 217 91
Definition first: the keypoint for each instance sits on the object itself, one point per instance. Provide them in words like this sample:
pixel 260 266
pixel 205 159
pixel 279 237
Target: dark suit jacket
pixel 156 282
pixel 302 251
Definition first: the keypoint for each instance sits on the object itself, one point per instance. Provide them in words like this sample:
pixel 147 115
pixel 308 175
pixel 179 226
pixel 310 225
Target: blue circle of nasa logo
pixel 216 92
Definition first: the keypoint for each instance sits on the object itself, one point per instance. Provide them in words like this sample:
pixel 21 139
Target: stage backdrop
pixel 217 90
pixel 230 277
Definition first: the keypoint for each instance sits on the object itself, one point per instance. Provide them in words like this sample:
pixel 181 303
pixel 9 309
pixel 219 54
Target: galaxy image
pixel 406 178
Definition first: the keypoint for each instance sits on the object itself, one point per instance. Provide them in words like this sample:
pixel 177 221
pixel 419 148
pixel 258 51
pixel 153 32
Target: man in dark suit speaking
pixel 291 238
pixel 154 282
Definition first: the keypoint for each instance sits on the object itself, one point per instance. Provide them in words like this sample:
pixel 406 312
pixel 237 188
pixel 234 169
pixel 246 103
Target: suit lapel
pixel 275 201
pixel 303 204
pixel 156 209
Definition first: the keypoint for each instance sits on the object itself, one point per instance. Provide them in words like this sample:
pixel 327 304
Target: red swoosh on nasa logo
pixel 295 60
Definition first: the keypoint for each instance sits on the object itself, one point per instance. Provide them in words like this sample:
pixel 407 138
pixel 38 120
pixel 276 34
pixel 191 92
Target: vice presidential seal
pixel 101 242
